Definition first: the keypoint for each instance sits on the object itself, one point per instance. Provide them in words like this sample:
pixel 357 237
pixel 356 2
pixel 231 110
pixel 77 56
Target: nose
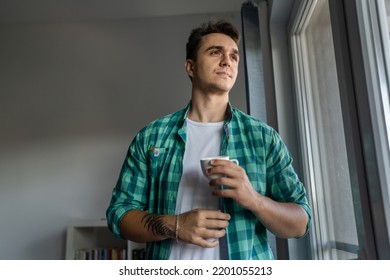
pixel 226 61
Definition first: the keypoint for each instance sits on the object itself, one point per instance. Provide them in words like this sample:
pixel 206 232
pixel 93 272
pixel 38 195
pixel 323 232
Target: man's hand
pixel 240 188
pixel 199 226
pixel 284 219
pixel 203 227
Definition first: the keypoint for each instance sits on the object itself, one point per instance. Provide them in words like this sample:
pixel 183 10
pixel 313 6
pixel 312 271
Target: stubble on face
pixel 215 69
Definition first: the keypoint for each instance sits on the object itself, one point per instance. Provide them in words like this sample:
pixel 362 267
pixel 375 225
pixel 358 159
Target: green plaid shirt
pixel 152 170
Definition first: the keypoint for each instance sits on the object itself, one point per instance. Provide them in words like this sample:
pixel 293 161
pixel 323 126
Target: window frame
pixel 363 125
pixel 308 147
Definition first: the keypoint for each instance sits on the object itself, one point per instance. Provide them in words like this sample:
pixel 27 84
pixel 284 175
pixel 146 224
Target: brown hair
pixel 212 26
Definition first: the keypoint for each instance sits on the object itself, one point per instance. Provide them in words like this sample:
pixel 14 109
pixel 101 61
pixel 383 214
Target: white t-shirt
pixel 203 140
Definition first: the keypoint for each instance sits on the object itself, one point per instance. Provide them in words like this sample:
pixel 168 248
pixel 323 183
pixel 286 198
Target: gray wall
pixel 72 96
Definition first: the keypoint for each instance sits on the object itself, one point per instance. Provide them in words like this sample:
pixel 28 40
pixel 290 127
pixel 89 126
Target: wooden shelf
pixel 93 240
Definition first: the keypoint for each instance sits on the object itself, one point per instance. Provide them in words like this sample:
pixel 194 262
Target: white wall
pixel 72 96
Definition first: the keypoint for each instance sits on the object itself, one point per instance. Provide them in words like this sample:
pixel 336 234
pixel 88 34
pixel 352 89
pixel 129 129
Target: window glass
pixel 331 156
pixel 387 55
pixel 387 3
pixel 338 229
pixel 334 225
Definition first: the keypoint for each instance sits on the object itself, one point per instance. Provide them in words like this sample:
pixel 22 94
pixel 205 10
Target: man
pixel 162 198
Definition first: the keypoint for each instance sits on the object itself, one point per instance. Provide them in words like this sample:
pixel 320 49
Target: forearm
pixel 140 226
pixel 284 219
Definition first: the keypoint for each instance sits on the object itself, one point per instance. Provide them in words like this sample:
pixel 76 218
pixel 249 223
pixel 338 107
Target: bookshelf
pixel 93 240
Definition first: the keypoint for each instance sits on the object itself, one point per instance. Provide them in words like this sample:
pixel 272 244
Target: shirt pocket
pixel 157 160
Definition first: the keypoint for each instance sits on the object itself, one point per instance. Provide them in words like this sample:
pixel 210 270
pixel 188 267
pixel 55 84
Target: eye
pixel 234 57
pixel 215 52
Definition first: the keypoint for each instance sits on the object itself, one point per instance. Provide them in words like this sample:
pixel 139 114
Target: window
pixel 374 26
pixel 387 3
pixel 334 233
pixel 343 110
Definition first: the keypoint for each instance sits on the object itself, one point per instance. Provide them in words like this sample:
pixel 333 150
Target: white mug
pixel 205 164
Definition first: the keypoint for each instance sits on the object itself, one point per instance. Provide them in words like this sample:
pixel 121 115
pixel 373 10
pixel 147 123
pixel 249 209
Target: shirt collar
pixel 228 116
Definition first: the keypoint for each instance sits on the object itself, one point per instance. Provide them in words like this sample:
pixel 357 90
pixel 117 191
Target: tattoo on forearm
pixel 155 223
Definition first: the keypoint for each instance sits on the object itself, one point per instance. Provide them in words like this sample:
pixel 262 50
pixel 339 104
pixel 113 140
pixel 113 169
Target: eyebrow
pixel 235 51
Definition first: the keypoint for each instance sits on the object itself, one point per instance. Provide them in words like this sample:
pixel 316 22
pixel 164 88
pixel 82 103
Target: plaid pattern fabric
pixel 152 170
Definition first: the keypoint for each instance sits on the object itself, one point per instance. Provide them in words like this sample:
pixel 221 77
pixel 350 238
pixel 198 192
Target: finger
pixel 212 234
pixel 210 238
pixel 212 242
pixel 231 171
pixel 224 193
pixel 209 214
pixel 217 162
pixel 216 224
pixel 217 215
pixel 224 181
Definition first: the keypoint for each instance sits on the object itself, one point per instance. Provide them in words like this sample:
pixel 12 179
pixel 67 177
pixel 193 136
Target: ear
pixel 190 67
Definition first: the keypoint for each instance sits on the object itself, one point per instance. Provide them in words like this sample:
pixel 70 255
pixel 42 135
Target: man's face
pixel 215 69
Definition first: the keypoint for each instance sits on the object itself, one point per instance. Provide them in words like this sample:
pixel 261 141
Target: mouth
pixel 224 73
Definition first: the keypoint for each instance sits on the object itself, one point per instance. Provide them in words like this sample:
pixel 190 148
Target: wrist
pixel 257 203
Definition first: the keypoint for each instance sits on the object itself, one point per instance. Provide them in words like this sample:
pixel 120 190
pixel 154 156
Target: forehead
pixel 218 39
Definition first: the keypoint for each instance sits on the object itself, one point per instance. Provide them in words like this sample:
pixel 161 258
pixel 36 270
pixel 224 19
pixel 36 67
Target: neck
pixel 208 108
